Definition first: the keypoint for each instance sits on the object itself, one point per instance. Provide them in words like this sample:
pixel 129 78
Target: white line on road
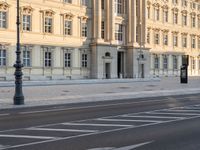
pixel 156 117
pixel 170 113
pixel 28 137
pixel 133 146
pixel 4 114
pixel 61 130
pixel 89 134
pixel 125 120
pixel 97 125
pixel 184 110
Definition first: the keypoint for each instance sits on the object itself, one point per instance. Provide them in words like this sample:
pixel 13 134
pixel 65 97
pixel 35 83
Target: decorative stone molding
pixel 193 14
pixel 184 12
pixel 48 13
pixel 175 10
pixel 156 5
pixel 4 6
pixel 84 18
pixel 68 16
pixel 165 7
pixel 156 29
pixel 175 32
pixel 184 33
pixel 26 9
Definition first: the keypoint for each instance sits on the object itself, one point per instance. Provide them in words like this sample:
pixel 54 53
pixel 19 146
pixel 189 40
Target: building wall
pixel 173 26
pixel 120 41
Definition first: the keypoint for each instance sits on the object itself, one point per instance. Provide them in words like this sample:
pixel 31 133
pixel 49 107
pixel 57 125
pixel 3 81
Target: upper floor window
pixel 165 39
pixel 156 38
pixel 26 22
pixel 184 20
pixel 175 18
pixel 84 2
pixel 102 4
pixel 184 41
pixel 68 27
pixel 84 29
pixel 184 3
pixel 175 40
pixel 119 32
pixel 3 19
pixel 193 23
pixel 102 29
pixel 165 16
pixel 67 1
pixel 48 21
pixel 148 37
pixel 193 42
pixel 175 1
pixel 2 56
pixel 119 6
pixel 157 14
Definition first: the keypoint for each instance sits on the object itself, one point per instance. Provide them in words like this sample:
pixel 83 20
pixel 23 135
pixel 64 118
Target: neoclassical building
pixel 74 39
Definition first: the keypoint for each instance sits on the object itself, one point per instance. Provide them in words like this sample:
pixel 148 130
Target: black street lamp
pixel 18 97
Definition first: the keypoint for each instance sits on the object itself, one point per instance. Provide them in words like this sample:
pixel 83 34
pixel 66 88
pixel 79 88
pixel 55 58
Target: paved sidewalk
pixel 39 93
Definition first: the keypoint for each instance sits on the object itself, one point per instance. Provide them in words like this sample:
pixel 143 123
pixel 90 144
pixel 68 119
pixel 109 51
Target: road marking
pixel 27 136
pixel 125 120
pixel 89 134
pixel 183 110
pixel 3 146
pixel 156 117
pixel 123 148
pixel 169 113
pixel 100 125
pixel 4 114
pixel 61 130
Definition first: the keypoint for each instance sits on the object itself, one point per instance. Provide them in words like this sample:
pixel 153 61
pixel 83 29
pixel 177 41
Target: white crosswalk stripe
pixel 98 125
pixel 126 120
pixel 26 136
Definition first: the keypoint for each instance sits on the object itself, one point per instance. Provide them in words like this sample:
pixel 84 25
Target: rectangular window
pixel 119 32
pixel 68 27
pixel 156 62
pixel 26 22
pixel 84 29
pixel 156 38
pixel 102 4
pixel 84 60
pixel 157 14
pixel 102 29
pixel 184 19
pixel 48 59
pixel 67 59
pixel 148 37
pixel 67 1
pixel 165 16
pixel 193 63
pixel 26 56
pixel 165 62
pixel 84 2
pixel 175 41
pixel 48 25
pixel 184 41
pixel 175 18
pixel 3 19
pixel 119 6
pixel 193 22
pixel 2 57
pixel 193 42
pixel 175 62
pixel 165 39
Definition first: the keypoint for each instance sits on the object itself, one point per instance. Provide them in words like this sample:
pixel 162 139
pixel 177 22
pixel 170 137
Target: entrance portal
pixel 141 73
pixel 120 64
pixel 107 70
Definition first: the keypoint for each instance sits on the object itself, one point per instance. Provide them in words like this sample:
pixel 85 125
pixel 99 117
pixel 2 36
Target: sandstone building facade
pixel 73 39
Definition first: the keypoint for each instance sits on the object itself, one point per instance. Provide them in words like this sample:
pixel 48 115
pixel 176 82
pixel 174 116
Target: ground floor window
pixel 84 60
pixel 165 62
pixel 175 62
pixel 26 56
pixel 67 59
pixel 2 56
pixel 156 62
pixel 47 57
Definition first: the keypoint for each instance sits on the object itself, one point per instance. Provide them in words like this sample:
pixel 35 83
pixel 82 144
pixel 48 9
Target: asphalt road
pixel 162 123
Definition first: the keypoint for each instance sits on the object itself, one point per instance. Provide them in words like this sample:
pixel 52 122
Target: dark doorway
pixel 120 64
pixel 107 70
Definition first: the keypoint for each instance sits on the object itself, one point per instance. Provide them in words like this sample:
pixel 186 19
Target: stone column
pixel 99 15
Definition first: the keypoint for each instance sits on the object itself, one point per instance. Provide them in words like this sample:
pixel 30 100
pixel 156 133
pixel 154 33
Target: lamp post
pixel 18 97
